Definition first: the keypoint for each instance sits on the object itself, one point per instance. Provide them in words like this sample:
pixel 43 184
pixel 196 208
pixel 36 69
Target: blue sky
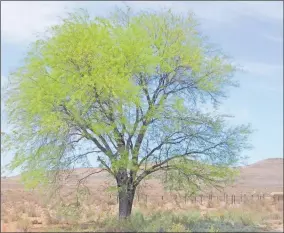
pixel 250 32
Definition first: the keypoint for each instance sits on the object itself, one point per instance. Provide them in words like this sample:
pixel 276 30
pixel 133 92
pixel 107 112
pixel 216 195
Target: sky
pixel 250 32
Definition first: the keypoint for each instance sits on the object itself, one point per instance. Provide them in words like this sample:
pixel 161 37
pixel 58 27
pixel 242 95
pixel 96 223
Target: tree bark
pixel 126 192
pixel 125 203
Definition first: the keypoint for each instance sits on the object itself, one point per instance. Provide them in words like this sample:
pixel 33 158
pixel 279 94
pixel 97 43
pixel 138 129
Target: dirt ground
pixel 28 210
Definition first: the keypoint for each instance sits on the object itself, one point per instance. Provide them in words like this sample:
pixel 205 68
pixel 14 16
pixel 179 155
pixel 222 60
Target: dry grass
pixel 49 220
pixel 260 212
pixel 100 208
pixel 14 216
pixel 32 212
pixel 23 225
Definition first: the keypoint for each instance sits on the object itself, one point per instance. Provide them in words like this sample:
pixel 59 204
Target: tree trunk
pixel 126 192
pixel 125 202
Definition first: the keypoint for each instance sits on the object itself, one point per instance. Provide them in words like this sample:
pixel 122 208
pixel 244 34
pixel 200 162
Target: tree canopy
pixel 128 90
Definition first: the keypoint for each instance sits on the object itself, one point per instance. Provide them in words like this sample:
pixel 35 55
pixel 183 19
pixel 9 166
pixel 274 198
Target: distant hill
pixel 264 176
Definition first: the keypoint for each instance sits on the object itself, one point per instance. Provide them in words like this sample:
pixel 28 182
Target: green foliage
pixel 70 213
pixel 213 229
pixel 122 84
pixel 173 222
pixel 190 177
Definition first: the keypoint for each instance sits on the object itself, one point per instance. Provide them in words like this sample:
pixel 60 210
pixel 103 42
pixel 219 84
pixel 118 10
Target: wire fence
pixel 201 199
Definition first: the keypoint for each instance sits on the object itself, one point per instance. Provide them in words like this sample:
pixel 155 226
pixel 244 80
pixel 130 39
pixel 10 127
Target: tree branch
pixel 156 167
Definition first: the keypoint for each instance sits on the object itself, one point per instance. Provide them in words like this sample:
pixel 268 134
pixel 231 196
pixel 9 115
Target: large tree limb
pixel 156 167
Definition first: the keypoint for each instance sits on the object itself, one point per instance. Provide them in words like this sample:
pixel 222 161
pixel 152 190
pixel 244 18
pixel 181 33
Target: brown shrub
pixel 14 217
pixel 32 212
pixel 111 202
pixel 5 219
pixel 23 225
pixel 90 214
pixel 49 219
pixel 212 204
pixel 36 222
pixel 21 208
pixel 274 216
pixel 279 206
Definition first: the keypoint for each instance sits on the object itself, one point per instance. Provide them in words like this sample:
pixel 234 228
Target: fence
pixel 201 199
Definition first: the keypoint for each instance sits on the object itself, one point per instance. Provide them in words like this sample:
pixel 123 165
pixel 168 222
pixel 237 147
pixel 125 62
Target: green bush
pixel 173 222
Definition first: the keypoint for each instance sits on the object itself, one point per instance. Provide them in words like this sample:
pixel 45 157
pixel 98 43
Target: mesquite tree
pixel 128 89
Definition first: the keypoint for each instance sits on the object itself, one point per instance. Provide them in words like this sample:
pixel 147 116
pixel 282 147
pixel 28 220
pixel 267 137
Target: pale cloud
pixel 241 116
pixel 263 9
pixel 260 69
pixel 266 77
pixel 277 39
pixel 238 114
pixel 21 20
pixel 273 89
pixel 219 11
